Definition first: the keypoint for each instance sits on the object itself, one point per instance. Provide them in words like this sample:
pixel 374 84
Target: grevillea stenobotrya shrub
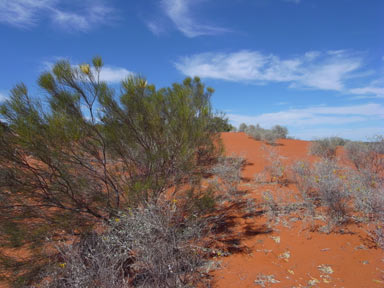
pixel 81 151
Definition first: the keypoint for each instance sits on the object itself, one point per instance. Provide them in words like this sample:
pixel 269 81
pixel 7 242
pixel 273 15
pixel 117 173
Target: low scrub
pixel 331 188
pixel 302 176
pixel 275 168
pixel 326 147
pixel 228 174
pixel 268 135
pixel 150 246
pixel 367 155
pixel 323 185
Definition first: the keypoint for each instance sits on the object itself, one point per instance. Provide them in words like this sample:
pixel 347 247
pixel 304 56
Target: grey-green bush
pixel 268 135
pixel 324 148
pixel 151 246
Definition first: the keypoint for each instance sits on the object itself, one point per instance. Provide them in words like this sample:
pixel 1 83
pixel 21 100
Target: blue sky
pixel 315 66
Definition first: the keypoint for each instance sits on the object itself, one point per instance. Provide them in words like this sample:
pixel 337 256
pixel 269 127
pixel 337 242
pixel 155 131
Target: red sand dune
pixel 293 256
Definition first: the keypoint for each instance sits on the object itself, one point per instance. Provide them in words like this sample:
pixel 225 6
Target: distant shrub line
pixel 268 135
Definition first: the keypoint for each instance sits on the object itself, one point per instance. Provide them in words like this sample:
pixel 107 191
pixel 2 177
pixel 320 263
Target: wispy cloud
pixel 312 118
pixel 293 1
pixel 109 74
pixel 3 97
pixel 23 13
pixel 366 133
pixel 114 74
pixel 76 17
pixel 155 27
pixel 374 90
pixel 179 12
pixel 318 70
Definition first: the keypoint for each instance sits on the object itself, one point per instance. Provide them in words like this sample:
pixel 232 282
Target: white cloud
pixel 81 17
pixel 3 97
pixel 179 11
pixel 293 1
pixel 315 118
pixel 23 13
pixel 362 133
pixel 110 74
pixel 368 92
pixel 326 71
pixel 114 74
pixel 92 15
pixel 155 27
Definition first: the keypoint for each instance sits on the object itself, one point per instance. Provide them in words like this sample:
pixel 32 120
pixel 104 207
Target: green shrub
pixel 89 150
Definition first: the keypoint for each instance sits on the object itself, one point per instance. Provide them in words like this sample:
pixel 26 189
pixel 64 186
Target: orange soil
pixel 352 257
pixel 256 250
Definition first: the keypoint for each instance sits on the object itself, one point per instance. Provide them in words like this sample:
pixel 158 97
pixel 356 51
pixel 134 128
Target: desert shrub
pixel 378 234
pixel 242 127
pixel 367 191
pixel 270 205
pixel 376 156
pixel 330 186
pixel 268 135
pixel 275 168
pixel 367 155
pixel 302 175
pixel 228 172
pixel 324 148
pixel 323 184
pixel 357 153
pixel 256 132
pixel 87 152
pixel 338 141
pixel 152 246
pixel 280 132
pixel 377 144
pixel 220 123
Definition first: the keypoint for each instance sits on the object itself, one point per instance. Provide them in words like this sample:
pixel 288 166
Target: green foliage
pixel 220 124
pixel 88 152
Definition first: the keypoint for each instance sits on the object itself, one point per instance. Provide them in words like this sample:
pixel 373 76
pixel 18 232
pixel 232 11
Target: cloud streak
pixel 114 74
pixel 109 74
pixel 318 70
pixel 315 116
pixel 179 12
pixel 3 97
pixel 28 13
pixel 368 92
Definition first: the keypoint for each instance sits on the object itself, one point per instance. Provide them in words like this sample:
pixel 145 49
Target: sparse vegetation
pixel 324 148
pixel 268 135
pixel 152 246
pixel 275 171
pixel 228 173
pixel 331 188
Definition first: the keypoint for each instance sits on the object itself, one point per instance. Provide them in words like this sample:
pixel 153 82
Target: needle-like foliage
pixel 86 151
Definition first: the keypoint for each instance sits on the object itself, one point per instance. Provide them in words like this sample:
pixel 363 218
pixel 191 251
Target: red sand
pixel 351 256
pixel 353 260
